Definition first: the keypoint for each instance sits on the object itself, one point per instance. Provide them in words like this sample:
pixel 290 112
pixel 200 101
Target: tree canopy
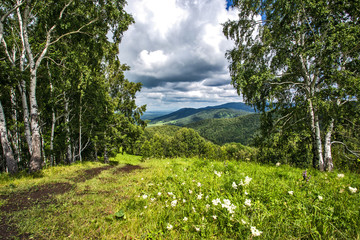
pixel 298 62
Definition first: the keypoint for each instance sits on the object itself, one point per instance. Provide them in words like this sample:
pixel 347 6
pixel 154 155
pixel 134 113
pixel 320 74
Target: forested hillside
pixel 189 115
pixel 220 131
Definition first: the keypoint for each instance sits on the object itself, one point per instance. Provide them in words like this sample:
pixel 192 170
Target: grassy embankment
pixel 183 199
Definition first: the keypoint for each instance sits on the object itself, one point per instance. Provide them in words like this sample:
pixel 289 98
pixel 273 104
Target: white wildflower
pixel 207 196
pixel 199 184
pixel 353 190
pixel 144 196
pixel 184 201
pixel 190 191
pixel 243 221
pixel 207 206
pixel 142 179
pixel 216 201
pixel 340 175
pixel 247 180
pixel 320 198
pixel 246 193
pixel 193 209
pixel 184 169
pixel 217 173
pixel 278 164
pixel 159 194
pixel 197 229
pixel 169 226
pixel 185 219
pixel 153 199
pixel 291 192
pixel 183 183
pixel 145 207
pixel 199 196
pixel 228 205
pixel 170 194
pixel 173 203
pixel 214 217
pixel 248 202
pixel 255 232
pixel 234 185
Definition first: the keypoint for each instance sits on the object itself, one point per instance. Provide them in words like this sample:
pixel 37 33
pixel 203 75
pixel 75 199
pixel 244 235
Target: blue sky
pixel 177 50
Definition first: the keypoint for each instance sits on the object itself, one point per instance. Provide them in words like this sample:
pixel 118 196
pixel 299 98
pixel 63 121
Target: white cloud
pixel 177 49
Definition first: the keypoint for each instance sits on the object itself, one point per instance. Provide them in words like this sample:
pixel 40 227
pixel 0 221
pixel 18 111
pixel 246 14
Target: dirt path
pixel 44 195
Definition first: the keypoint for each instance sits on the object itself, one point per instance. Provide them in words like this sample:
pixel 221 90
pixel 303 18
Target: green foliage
pixel 295 60
pixel 220 131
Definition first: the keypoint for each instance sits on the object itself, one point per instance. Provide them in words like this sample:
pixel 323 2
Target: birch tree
pixel 295 60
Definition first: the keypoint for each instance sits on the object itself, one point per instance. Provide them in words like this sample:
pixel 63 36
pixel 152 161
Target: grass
pixel 191 199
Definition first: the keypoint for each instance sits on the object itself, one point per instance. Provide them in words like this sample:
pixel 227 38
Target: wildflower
pixel 153 199
pixel 145 207
pixel 320 198
pixel 193 209
pixel 159 194
pixel 197 229
pixel 193 180
pixel 227 204
pixel 246 193
pixel 199 184
pixel 184 169
pixel 216 201
pixel 185 219
pixel 183 183
pixel 234 185
pixel 207 206
pixel 199 196
pixel 278 164
pixel 173 203
pixel 207 196
pixel 255 232
pixel 214 217
pixel 353 190
pixel 169 226
pixel 243 221
pixel 247 180
pixel 340 175
pixel 217 173
pixel 190 191
pixel 144 196
pixel 184 201
pixel 291 192
pixel 248 202
pixel 170 194
pixel 142 179
pixel 341 190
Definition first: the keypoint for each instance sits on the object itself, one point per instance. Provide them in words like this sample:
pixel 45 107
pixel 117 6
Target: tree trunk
pixel 328 156
pixel 316 133
pixel 67 127
pixel 80 131
pixel 7 150
pixel 35 160
pixel 16 138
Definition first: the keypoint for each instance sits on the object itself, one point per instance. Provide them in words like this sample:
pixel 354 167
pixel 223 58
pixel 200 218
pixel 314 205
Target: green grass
pixel 117 205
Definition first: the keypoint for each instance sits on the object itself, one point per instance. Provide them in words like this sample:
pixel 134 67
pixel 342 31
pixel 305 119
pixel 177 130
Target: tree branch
pixel 346 147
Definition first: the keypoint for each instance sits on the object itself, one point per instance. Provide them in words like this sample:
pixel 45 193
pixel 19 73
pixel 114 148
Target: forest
pixel 63 95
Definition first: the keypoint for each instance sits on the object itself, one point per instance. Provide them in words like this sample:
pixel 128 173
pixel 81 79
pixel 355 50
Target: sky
pixel 176 49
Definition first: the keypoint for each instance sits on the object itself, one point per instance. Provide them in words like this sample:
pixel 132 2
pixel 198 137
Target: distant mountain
pixel 189 115
pixel 220 131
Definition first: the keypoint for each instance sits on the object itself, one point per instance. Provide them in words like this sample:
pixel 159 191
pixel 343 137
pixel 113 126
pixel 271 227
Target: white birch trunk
pixel 328 156
pixel 16 138
pixel 7 150
pixel 316 133
pixel 68 139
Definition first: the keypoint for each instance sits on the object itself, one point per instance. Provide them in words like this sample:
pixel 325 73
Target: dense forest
pixel 63 95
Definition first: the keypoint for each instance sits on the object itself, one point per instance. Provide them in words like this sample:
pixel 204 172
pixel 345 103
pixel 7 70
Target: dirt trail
pixel 44 195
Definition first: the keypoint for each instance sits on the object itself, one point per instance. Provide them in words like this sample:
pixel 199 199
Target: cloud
pixel 177 49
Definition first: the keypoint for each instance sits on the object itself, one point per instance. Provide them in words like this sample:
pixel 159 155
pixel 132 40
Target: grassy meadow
pixel 183 199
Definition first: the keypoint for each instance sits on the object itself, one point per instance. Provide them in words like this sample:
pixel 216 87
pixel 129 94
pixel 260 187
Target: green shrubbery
pixel 185 142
